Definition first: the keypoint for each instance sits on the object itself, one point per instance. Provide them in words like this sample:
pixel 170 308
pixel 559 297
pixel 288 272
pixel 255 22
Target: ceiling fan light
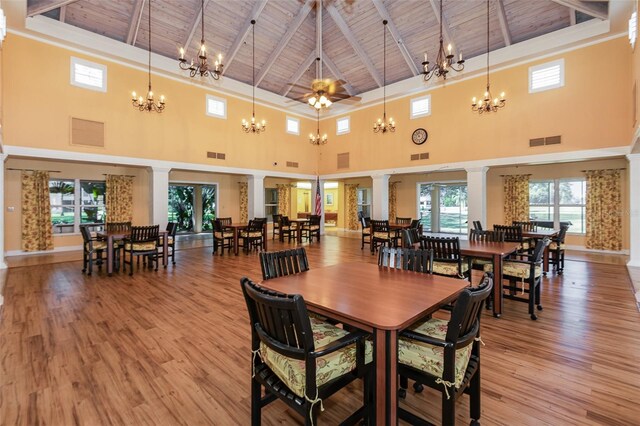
pixel 323 99
pixel 312 100
pixel 328 103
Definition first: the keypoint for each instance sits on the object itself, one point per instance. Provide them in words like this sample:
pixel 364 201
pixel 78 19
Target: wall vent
pixel 343 160
pixel 536 142
pixel 293 164
pixel 549 140
pixel 218 155
pixel 415 157
pixel 212 154
pixel 421 156
pixel 87 133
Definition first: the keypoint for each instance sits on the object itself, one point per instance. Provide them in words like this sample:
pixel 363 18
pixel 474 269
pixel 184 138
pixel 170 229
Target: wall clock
pixel 419 136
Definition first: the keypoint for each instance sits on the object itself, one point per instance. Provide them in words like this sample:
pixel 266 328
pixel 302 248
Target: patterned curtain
pixel 516 198
pixel 393 201
pixel 36 212
pixel 352 206
pixel 284 199
pixel 244 202
pixel 119 203
pixel 604 208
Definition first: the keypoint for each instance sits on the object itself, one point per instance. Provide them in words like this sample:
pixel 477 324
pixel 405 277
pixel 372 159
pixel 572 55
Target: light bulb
pixel 328 103
pixel 312 100
pixel 182 53
pixel 162 99
pixel 323 99
pixel 318 105
pixel 133 95
pixel 449 48
pixel 473 100
pixel 502 95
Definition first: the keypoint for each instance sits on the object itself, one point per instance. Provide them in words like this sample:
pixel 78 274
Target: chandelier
pixel 382 125
pixel 200 65
pixel 317 139
pixel 148 104
pixel 253 126
pixel 487 104
pixel 444 61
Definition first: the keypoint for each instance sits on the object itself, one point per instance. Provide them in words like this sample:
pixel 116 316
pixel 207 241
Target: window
pixel 293 126
pixel 546 76
pixel 364 202
pixel 421 107
pixel 76 202
pixel 559 200
pixel 88 75
pixel 216 107
pixel 343 126
pixel 192 206
pixel 270 203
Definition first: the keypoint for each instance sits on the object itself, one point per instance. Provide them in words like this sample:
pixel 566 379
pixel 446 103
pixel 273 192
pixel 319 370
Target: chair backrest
pixel 380 226
pixel 282 263
pixel 410 238
pixel 406 259
pixel 218 225
pixel 415 224
pixel 118 226
pixel 444 249
pixel 225 221
pixel 465 318
pixel 86 234
pixel 172 228
pixel 477 225
pixel 512 234
pixel 276 220
pixel 314 219
pixel 144 234
pixel 365 221
pixel 255 225
pixel 538 251
pixel 403 220
pixel 278 320
pixel 260 220
pixel 562 234
pixel 486 236
pixel 284 221
pixel 526 226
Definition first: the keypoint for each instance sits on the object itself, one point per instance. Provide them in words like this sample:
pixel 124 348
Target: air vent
pixel 415 157
pixel 87 133
pixel 218 155
pixel 211 154
pixel 343 160
pixel 421 156
pixel 222 156
pixel 293 164
pixel 549 140
pixel 536 142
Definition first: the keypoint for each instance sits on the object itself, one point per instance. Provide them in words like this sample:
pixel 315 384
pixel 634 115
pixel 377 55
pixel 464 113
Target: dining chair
pixel 276 226
pixel 445 355
pixel 288 229
pixel 252 236
pixel 447 259
pixel 222 236
pixel 92 249
pixel 411 238
pixel 380 234
pixel 142 241
pixel 172 228
pixel 403 220
pixel 477 225
pixel 408 259
pixel 556 248
pixel 311 228
pixel 526 225
pixel 365 223
pixel 513 234
pixel 282 263
pixel 480 236
pixel 300 359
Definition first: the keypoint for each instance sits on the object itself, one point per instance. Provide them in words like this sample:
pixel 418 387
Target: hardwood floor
pixel 172 347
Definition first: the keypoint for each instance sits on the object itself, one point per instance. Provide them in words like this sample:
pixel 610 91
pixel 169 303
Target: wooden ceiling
pixel 352 32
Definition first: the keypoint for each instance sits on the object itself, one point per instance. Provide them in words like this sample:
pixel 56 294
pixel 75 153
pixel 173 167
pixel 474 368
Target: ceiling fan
pixel 323 92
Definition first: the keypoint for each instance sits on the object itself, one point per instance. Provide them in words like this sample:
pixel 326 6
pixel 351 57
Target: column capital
pixel 480 169
pixel 155 169
pixel 381 176
pixel 633 156
pixel 256 176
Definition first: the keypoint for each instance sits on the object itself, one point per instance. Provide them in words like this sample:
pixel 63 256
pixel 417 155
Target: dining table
pixel 381 301
pixel 299 223
pixel 537 235
pixel 237 227
pixel 112 236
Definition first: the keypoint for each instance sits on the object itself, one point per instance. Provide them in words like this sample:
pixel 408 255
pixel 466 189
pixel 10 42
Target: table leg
pixel 264 236
pixel 497 285
pixel 545 260
pixel 165 250
pixel 109 255
pixel 235 240
pixel 386 382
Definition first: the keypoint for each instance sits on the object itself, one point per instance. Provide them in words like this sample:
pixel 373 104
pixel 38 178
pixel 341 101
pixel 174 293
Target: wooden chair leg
pixel 90 263
pixel 474 397
pixel 256 397
pixel 84 261
pixel 448 410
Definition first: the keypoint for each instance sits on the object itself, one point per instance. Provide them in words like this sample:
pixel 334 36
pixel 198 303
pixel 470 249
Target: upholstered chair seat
pixel 450 268
pixel 140 246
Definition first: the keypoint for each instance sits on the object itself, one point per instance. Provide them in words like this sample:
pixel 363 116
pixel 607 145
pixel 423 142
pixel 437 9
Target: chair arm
pixel 424 339
pixel 342 342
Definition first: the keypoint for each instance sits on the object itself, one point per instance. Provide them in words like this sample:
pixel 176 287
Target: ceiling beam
pixel 244 31
pixel 45 6
pixel 504 25
pixel 337 74
pixel 194 25
pixel 304 65
pixel 292 28
pixel 396 36
pixel 134 22
pixel 572 16
pixel 63 14
pixel 353 41
pixel 445 24
pixel 597 10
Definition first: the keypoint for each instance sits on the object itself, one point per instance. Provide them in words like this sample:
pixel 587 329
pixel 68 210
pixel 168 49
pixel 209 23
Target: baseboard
pixel 11 253
pixel 583 248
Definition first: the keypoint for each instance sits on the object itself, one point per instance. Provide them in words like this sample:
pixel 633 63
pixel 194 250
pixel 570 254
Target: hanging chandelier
pixel 200 65
pixel 317 139
pixel 253 126
pixel 487 104
pixel 148 104
pixel 382 125
pixel 444 61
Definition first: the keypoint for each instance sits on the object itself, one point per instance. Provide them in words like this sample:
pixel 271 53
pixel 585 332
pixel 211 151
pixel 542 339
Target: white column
pixel 3 265
pixel 159 214
pixel 313 202
pixel 380 197
pixel 634 209
pixel 256 196
pixel 477 196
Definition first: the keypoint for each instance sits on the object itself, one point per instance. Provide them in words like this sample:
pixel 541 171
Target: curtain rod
pixel 599 170
pixel 32 170
pixel 528 174
pixel 107 174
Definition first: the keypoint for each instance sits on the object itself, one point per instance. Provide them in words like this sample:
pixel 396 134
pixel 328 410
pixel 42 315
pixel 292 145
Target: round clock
pixel 419 136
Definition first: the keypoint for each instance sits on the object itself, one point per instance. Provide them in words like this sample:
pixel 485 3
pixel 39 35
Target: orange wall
pixel 590 111
pixel 635 65
pixel 183 132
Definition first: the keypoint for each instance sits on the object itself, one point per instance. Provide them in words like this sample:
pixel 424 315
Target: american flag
pixel 318 198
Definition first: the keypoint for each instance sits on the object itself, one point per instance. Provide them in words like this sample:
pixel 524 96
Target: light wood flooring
pixel 172 347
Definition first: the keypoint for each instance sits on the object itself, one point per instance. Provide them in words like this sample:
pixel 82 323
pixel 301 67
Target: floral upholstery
pixel 288 228
pixel 256 234
pixel 161 240
pixel 102 245
pixel 449 268
pixel 429 358
pixel 482 262
pixel 223 234
pixel 292 371
pixel 366 230
pixel 381 235
pixel 554 246
pixel 515 269
pixel 141 246
pixel 314 227
pixel 524 246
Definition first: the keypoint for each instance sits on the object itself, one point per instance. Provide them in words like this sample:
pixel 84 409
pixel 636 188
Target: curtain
pixel 516 198
pixel 603 210
pixel 119 203
pixel 244 202
pixel 36 212
pixel 284 199
pixel 352 206
pixel 393 201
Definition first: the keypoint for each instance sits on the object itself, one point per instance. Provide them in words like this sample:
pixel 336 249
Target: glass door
pixel 453 209
pixel 364 202
pixel 424 206
pixel 209 198
pixel 181 207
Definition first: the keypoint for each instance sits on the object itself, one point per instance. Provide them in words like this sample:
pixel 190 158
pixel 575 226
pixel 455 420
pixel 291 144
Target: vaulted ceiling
pixel 352 32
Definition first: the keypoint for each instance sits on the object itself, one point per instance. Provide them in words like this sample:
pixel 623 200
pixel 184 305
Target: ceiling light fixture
pixel 148 104
pixel 444 61
pixel 253 126
pixel 486 104
pixel 200 65
pixel 382 125
pixel 317 139
pixel 319 100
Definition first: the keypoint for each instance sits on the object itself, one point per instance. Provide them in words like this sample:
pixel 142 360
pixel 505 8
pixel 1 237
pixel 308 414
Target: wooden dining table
pixel 537 235
pixel 112 236
pixel 237 227
pixel 379 300
pixel 299 223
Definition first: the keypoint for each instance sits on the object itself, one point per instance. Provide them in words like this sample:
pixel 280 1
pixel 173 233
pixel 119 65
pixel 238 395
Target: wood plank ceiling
pixel 352 32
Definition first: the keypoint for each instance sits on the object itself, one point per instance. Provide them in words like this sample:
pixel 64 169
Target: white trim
pixel 11 253
pixel 346 118
pixel 223 101
pixel 583 248
pixel 557 63
pixel 418 99
pixel 72 74
pixel 293 119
